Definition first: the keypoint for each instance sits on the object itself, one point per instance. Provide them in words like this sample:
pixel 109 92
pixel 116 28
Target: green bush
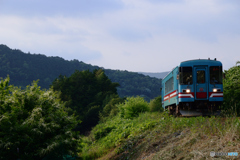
pixel 133 106
pixel 155 105
pixel 116 132
pixel 231 89
pixel 110 109
pixel 34 124
pixel 102 132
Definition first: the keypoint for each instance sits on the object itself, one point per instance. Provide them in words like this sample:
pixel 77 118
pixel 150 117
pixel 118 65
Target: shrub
pixel 133 106
pixel 155 105
pixel 34 124
pixel 231 88
pixel 110 109
pixel 102 132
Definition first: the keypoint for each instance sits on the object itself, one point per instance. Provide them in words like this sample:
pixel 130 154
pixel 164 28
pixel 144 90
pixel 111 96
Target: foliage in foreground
pixel 231 88
pixel 111 108
pixel 119 135
pixel 34 124
pixel 114 132
pixel 133 106
pixel 155 104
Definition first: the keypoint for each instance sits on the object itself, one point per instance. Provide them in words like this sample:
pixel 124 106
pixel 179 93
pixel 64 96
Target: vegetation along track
pixel 160 136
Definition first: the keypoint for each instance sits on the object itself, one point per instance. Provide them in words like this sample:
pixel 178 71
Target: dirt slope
pixel 182 145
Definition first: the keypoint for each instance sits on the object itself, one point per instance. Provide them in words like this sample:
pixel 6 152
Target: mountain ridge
pixel 23 68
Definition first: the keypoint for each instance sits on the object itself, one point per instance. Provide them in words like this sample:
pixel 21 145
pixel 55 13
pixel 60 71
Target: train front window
pixel 216 74
pixel 200 76
pixel 185 75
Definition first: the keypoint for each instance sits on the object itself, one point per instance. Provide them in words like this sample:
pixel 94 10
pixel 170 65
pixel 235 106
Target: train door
pixel 201 87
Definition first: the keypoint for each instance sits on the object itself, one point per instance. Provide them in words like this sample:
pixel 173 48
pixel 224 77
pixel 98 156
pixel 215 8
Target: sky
pixel 132 35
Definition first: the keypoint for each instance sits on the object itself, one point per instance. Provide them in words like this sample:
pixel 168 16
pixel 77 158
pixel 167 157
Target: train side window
pixel 200 76
pixel 216 74
pixel 185 75
pixel 169 85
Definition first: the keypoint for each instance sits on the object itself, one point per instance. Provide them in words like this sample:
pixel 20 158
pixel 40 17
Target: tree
pixel 85 93
pixel 231 89
pixel 34 124
pixel 155 104
pixel 132 107
pixel 110 109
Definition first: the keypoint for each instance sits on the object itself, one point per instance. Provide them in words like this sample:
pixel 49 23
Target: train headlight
pixel 188 90
pixel 216 89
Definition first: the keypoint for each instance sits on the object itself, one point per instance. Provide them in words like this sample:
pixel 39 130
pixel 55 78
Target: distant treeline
pixel 23 68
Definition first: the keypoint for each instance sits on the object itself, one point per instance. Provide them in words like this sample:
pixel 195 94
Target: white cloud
pixel 139 35
pixel 51 36
pixel 165 52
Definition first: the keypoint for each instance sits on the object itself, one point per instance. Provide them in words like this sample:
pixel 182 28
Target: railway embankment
pixel 156 135
pixel 160 136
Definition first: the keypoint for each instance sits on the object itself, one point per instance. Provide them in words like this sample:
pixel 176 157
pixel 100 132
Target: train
pixel 194 88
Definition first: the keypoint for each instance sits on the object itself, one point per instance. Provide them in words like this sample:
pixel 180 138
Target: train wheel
pixel 178 111
pixel 170 110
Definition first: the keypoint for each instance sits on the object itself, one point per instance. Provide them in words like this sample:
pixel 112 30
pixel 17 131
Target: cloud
pixel 135 35
pixel 47 36
pixel 162 53
pixel 191 17
pixel 83 8
pixel 130 34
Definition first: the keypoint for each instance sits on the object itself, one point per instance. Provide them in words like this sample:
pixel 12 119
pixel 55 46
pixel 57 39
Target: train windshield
pixel 216 74
pixel 185 75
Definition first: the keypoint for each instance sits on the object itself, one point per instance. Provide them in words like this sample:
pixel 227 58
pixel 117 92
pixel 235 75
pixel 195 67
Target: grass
pixel 124 130
pixel 158 135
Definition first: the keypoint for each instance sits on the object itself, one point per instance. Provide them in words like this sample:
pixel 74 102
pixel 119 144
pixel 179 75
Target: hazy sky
pixel 133 35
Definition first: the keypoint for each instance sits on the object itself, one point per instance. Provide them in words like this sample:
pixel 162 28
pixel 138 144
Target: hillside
pixel 23 68
pixel 153 136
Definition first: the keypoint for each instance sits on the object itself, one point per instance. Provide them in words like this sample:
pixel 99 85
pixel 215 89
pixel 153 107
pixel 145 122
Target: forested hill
pixel 23 68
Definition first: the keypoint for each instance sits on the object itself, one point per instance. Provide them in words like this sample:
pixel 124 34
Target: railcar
pixel 194 88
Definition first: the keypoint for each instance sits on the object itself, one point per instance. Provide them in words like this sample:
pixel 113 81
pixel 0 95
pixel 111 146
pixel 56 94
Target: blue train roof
pixel 201 62
pixel 196 62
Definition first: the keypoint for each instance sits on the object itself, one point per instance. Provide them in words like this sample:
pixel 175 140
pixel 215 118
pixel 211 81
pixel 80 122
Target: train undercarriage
pixel 197 108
